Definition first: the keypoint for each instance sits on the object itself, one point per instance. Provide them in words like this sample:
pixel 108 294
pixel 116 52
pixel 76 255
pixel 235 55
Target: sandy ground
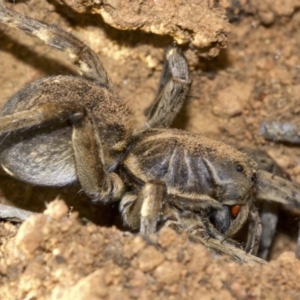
pixel 256 78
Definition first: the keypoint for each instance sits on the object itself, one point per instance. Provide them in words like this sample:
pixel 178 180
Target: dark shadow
pixel 35 198
pixel 210 67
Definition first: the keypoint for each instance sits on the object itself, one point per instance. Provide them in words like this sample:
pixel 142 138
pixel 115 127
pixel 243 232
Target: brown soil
pixel 256 78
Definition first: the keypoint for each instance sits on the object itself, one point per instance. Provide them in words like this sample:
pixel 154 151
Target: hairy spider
pixel 63 129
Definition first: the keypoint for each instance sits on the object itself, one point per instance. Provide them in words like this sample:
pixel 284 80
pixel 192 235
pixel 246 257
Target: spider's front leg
pixel 143 211
pixel 173 89
pixel 200 231
pixel 268 210
pixel 227 248
pixel 225 227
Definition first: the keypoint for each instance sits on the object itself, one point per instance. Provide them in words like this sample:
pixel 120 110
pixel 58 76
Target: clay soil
pixel 79 250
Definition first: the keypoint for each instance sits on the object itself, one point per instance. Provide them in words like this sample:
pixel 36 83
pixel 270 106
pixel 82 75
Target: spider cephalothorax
pixel 65 129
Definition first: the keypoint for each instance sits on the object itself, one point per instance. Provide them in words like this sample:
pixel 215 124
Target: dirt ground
pixel 256 78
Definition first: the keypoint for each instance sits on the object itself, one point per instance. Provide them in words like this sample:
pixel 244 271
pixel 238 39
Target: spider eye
pixel 239 168
pixel 253 177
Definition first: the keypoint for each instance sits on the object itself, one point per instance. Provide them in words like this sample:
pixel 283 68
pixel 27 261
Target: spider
pixel 64 129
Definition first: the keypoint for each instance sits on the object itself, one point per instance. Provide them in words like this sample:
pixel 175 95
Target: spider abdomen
pixel 44 159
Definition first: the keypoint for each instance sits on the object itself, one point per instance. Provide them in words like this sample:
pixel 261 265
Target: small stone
pixel 91 287
pixel 231 100
pixel 168 272
pixel 134 247
pixel 200 259
pixel 56 209
pixel 139 279
pixel 167 237
pixel 287 257
pixel 266 17
pixel 296 170
pixel 149 258
pixel 238 291
pixel 30 235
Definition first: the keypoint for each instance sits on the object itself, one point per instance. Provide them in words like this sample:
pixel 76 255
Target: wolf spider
pixel 64 129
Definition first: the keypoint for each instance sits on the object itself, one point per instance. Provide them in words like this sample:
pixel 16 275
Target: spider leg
pixel 298 244
pixel 277 189
pixel 224 223
pixel 39 115
pixel 173 89
pixel 226 248
pixel 89 161
pixel 194 224
pixel 278 132
pixel 269 220
pixel 221 218
pixel 197 233
pixel 81 55
pixel 269 210
pixel 254 232
pixel 190 224
pixel 144 211
pixel 13 213
pixel 215 234
pixel 238 222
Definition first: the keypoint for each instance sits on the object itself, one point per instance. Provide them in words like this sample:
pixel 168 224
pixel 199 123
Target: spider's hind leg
pixel 173 89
